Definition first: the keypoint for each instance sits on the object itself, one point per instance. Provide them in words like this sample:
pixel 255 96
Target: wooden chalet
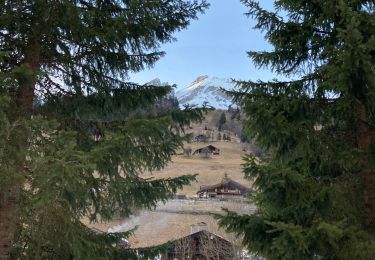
pixel 201 245
pixel 226 188
pixel 210 149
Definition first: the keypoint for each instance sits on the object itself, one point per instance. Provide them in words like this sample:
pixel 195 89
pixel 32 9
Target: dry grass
pixel 211 170
pixel 173 220
pixel 155 227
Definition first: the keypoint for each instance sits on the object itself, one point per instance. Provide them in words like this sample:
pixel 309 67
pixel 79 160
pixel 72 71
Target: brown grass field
pixel 209 170
pixel 157 227
pixel 174 219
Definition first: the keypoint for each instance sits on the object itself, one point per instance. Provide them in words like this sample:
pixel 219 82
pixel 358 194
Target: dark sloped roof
pixel 224 182
pixel 210 147
pixel 198 245
pixel 204 233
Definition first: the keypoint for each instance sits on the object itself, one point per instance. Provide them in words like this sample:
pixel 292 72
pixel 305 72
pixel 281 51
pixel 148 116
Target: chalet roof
pixel 204 233
pixel 203 242
pixel 210 147
pixel 223 183
pixel 201 233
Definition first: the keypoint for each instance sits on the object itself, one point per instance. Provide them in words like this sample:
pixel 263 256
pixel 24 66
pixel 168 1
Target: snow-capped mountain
pixel 156 82
pixel 206 89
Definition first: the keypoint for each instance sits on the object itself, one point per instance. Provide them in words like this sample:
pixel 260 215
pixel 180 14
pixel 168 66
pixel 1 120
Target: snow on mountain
pixel 157 83
pixel 206 89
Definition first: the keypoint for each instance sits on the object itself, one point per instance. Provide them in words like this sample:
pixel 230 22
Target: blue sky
pixel 215 45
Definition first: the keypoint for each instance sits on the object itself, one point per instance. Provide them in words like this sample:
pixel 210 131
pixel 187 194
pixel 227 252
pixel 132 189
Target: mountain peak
pixel 206 89
pixel 200 78
pixel 156 82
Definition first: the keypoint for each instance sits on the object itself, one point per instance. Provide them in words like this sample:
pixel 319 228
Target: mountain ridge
pixel 206 90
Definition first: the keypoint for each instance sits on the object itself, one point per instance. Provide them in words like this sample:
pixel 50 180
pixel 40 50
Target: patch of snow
pixel 206 89
pixel 157 83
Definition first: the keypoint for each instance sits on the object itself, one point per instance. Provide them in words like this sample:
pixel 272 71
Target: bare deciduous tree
pixel 188 151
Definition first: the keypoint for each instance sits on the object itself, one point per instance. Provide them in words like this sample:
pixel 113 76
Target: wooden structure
pixel 201 245
pixel 225 188
pixel 201 138
pixel 210 149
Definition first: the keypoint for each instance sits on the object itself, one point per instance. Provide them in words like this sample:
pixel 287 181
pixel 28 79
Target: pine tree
pixel 222 121
pixel 78 152
pixel 316 197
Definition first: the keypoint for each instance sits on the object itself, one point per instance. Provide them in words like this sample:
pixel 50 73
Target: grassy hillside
pixel 156 227
pixel 210 125
pixel 209 170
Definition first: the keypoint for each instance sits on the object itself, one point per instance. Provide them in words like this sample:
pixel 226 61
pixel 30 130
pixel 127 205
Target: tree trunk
pixel 364 138
pixel 8 215
pixel 10 197
pixel 368 179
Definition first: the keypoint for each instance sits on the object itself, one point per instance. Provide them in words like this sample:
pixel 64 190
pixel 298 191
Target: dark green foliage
pixel 222 121
pixel 313 201
pixel 75 147
pixel 92 44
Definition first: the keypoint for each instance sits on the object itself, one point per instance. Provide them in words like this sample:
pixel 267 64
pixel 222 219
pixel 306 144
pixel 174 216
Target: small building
pixel 201 245
pixel 210 149
pixel 180 197
pixel 201 138
pixel 226 188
